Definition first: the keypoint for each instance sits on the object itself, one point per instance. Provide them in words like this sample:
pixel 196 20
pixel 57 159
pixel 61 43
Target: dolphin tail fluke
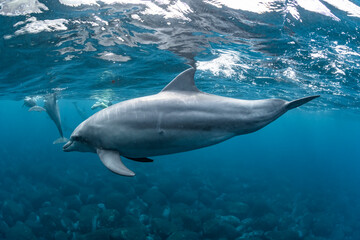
pixel 112 160
pixel 36 109
pixel 298 102
pixel 60 140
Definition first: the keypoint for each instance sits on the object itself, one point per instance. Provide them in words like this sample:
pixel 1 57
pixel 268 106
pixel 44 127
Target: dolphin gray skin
pixel 30 102
pixel 179 118
pixel 52 109
pixel 101 104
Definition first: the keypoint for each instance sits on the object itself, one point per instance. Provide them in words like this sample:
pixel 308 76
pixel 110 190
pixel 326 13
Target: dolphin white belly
pixel 179 118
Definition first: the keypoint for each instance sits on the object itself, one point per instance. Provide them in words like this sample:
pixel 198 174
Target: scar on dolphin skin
pixel 190 118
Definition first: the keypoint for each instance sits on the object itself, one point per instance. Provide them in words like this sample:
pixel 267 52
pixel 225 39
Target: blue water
pixel 297 178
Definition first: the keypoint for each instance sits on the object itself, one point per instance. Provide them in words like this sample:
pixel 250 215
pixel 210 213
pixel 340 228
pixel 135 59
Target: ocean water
pixel 296 179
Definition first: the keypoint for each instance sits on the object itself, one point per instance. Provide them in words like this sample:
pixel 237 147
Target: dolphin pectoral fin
pixel 140 159
pixel 111 160
pixel 60 140
pixel 298 102
pixel 36 109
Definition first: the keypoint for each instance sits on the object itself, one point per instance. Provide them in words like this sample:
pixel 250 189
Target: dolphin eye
pixel 76 138
pixel 79 138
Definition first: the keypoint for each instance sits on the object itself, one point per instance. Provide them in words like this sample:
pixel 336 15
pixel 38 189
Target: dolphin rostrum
pixel 177 119
pixel 52 109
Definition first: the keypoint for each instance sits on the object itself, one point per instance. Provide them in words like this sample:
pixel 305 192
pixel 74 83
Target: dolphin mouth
pixel 66 147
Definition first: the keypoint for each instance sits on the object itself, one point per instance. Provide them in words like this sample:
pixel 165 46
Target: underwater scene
pixel 180 119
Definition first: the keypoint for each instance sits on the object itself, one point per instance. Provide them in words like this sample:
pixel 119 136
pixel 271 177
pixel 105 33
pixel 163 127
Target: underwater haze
pixel 296 179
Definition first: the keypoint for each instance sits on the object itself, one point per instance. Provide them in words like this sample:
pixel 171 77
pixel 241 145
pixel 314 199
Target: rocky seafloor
pixel 66 200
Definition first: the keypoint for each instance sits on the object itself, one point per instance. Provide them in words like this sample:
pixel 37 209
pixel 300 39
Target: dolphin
pixel 52 109
pixel 30 102
pixel 101 104
pixel 81 112
pixel 177 119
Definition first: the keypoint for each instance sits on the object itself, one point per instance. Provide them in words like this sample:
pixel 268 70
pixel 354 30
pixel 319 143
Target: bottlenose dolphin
pixel 101 104
pixel 81 112
pixel 30 102
pixel 179 118
pixel 52 109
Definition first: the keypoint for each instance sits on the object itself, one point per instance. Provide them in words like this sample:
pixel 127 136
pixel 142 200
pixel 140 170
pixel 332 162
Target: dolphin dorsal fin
pixel 183 82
